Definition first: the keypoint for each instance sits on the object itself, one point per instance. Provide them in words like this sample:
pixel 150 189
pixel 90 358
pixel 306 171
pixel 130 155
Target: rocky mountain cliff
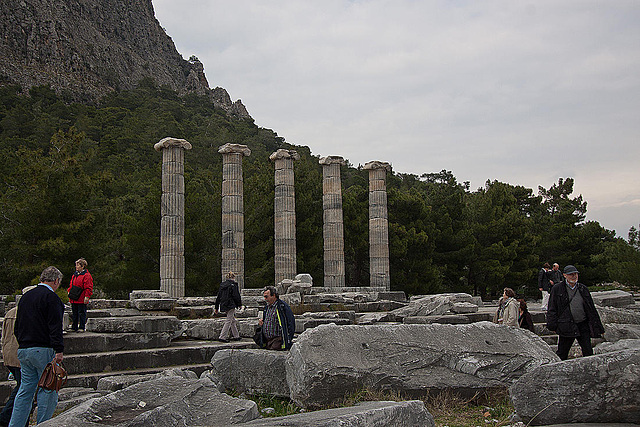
pixel 87 48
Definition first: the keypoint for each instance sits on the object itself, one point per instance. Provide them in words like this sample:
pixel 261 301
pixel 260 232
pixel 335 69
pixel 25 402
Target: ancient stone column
pixel 284 207
pixel 378 225
pixel 172 216
pixel 233 210
pixel 333 227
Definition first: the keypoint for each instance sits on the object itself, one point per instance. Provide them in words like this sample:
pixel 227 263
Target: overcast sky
pixel 520 92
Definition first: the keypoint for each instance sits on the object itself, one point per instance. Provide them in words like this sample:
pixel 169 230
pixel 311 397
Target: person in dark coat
pixel 525 320
pixel 544 284
pixel 278 322
pixel 573 315
pixel 227 301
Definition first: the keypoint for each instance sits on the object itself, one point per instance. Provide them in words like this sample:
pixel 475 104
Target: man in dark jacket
pixel 228 300
pixel 38 330
pixel 555 275
pixel 544 285
pixel 573 315
pixel 278 322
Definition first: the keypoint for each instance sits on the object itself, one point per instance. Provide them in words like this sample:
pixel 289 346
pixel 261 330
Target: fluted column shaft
pixel 233 211
pixel 172 216
pixel 284 206
pixel 333 226
pixel 378 225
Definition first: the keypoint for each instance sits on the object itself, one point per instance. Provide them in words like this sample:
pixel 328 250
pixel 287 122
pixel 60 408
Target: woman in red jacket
pixel 82 279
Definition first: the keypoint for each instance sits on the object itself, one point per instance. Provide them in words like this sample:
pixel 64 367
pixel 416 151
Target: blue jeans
pixel 32 362
pixel 78 315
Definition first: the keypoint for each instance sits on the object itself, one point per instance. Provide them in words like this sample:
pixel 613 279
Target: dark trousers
pixel 78 315
pixel 274 343
pixel 5 415
pixel 565 343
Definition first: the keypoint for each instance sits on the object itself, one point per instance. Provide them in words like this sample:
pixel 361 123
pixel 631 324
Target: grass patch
pixel 489 408
pixel 281 406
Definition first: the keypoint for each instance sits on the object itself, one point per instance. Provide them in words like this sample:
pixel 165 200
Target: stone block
pixel 477 301
pixel 195 301
pixel 372 318
pixel 399 296
pixel 209 329
pixel 252 371
pixel 169 324
pixel 100 304
pixel 304 278
pixel 425 305
pixel 624 344
pixel 307 323
pixel 293 299
pixel 618 315
pixel 153 304
pixel 398 414
pixel 464 307
pixel 445 319
pixel 76 343
pixel 613 298
pixel 618 331
pixel 364 307
pixel 192 311
pixel 163 401
pixel 147 294
pixel 328 362
pixel 598 389
pixel 118 382
pixel 301 288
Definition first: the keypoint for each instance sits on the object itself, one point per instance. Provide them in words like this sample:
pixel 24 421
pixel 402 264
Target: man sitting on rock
pixel 278 323
pixel 572 314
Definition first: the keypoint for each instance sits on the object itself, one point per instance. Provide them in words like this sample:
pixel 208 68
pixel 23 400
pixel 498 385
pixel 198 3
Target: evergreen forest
pixel 80 180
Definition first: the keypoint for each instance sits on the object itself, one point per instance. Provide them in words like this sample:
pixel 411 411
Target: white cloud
pixel 520 92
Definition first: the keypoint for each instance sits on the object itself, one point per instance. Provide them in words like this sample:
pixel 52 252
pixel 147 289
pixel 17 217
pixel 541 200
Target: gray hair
pixel 272 291
pixel 50 274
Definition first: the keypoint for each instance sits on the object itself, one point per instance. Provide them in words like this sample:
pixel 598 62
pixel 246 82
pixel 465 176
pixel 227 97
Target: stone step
pixel 80 342
pixel 180 352
pixel 91 380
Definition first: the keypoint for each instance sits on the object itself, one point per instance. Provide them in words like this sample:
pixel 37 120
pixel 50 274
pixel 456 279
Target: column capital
pixel 169 142
pixel 234 148
pixel 377 165
pixel 284 154
pixel 329 160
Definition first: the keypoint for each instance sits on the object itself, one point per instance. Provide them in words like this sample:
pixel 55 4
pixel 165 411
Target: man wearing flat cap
pixel 572 314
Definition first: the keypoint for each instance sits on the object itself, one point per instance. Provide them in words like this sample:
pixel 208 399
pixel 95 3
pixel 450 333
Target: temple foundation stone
pixel 378 225
pixel 333 226
pixel 284 207
pixel 172 216
pixel 233 210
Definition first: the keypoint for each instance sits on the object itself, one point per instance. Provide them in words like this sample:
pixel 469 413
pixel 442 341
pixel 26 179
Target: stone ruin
pixel 154 360
pixel 172 268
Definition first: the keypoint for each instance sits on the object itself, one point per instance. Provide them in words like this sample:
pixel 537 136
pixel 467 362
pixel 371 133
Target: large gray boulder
pixel 328 362
pixel 166 401
pixel 597 389
pixel 252 371
pixel 367 414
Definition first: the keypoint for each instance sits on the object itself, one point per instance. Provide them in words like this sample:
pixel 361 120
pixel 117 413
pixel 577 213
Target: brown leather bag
pixel 54 376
